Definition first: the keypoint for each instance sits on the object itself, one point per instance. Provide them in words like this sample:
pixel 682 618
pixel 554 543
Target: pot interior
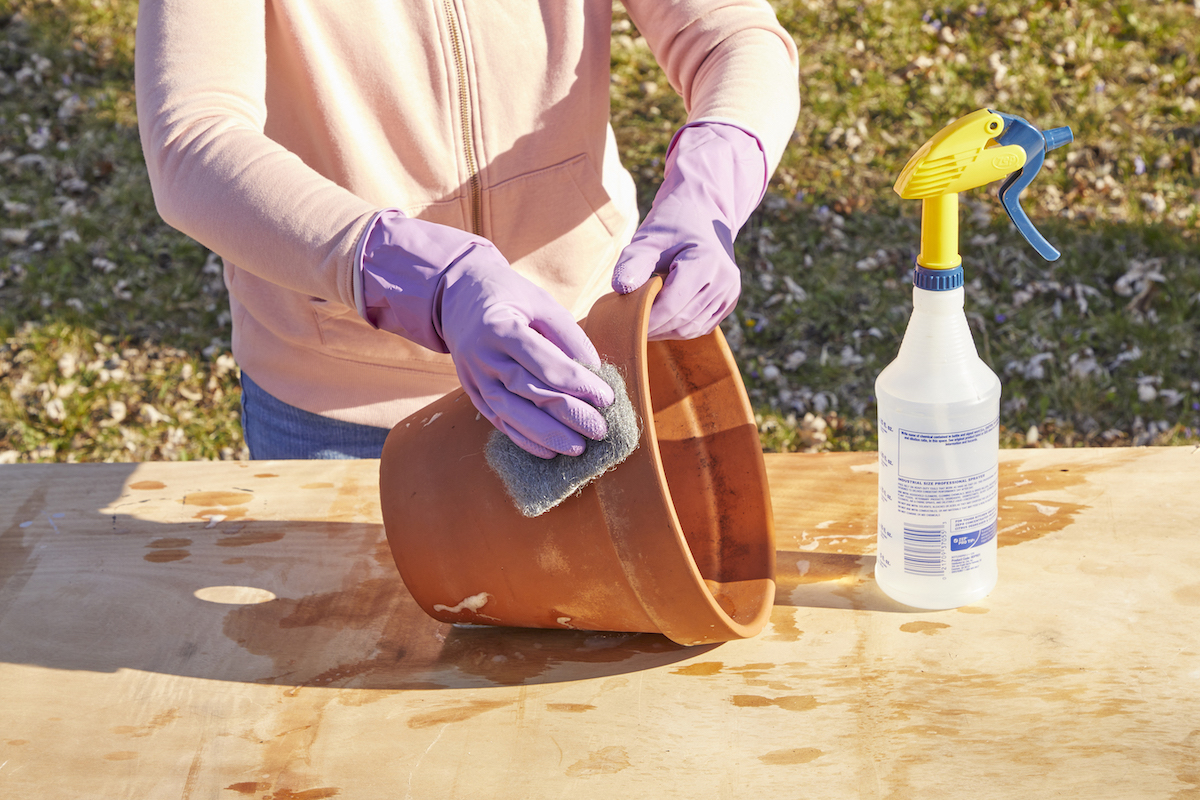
pixel 712 459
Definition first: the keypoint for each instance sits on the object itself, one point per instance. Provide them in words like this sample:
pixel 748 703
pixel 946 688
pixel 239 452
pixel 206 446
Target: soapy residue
pixel 431 420
pixel 472 603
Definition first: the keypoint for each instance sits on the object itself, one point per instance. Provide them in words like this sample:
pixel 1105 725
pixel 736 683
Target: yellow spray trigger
pixel 951 161
pixel 956 159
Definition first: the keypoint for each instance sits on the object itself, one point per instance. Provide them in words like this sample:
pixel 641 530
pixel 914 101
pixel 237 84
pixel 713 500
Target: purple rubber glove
pixel 714 178
pixel 519 355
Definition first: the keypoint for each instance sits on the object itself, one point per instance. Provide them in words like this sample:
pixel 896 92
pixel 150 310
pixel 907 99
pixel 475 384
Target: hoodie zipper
pixel 464 114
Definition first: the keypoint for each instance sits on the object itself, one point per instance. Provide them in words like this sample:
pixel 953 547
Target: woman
pixel 411 195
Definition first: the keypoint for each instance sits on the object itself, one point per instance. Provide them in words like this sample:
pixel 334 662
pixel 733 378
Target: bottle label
pixel 938 494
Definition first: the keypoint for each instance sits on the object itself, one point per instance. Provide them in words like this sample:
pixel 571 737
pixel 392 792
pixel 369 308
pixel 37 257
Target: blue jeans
pixel 275 430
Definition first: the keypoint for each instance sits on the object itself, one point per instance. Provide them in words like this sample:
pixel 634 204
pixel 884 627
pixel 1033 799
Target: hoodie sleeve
pixel 730 60
pixel 200 76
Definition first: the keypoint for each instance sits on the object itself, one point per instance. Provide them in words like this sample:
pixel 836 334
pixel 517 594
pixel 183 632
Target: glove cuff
pixel 359 250
pixel 748 185
pixel 402 265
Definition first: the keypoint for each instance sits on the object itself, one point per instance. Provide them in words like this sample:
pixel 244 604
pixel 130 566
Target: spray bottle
pixel 939 404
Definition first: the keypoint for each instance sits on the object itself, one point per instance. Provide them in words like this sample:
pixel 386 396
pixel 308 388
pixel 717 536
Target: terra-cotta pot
pixel 678 539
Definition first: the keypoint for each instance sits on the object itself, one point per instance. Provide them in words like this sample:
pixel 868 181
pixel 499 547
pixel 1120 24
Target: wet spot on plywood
pixel 166 556
pixel 158 721
pixel 600 762
pixel 701 668
pixel 1023 518
pixel 783 625
pixel 928 628
pixel 247 787
pixel 791 757
pixel 217 498
pixel 844 522
pixel 793 702
pixel 266 475
pixel 144 486
pixel 972 610
pixel 456 713
pixel 169 543
pixel 570 708
pixel 355 609
pixel 320 793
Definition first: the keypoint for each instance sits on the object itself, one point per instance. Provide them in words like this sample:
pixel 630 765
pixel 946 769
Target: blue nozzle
pixel 1035 144
pixel 1057 137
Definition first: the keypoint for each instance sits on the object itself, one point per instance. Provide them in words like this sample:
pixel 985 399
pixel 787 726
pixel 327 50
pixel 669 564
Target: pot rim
pixel 673 592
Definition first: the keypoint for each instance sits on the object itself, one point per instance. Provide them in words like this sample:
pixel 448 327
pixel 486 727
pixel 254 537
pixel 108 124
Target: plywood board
pixel 225 630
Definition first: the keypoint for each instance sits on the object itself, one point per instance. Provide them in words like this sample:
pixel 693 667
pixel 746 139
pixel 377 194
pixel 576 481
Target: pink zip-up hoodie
pixel 274 132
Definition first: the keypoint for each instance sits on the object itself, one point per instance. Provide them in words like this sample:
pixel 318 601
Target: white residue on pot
pixel 552 559
pixel 565 622
pixel 430 421
pixel 472 603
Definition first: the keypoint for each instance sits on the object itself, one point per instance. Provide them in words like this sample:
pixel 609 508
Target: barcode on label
pixel 923 553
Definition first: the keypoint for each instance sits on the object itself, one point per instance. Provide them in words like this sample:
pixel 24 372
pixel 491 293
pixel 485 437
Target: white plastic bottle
pixel 939 416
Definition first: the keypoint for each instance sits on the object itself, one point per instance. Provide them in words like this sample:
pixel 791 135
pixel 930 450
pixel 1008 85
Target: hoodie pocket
pixel 557 226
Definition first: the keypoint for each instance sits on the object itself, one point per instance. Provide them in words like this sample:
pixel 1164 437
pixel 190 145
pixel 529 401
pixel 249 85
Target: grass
pixel 116 332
